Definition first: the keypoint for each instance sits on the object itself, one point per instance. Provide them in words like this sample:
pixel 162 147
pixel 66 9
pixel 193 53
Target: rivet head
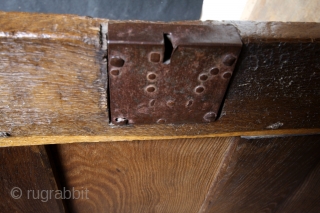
pixel 229 60
pixel 209 116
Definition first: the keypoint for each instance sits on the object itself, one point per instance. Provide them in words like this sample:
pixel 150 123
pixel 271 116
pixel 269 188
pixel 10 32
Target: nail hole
pixel 152 76
pixel 170 103
pixel 117 62
pixel 161 121
pixel 227 75
pixel 152 102
pixel 115 72
pixel 209 116
pixel 121 120
pixel 199 89
pixel 155 57
pixel 203 77
pixel 189 103
pixel 229 60
pixel 151 88
pixel 214 71
pixel 5 134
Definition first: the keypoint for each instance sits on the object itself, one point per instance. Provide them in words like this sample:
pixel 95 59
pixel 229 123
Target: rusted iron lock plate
pixel 169 73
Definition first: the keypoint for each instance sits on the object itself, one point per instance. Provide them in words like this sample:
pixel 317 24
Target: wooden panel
pixel 264 173
pixel 29 169
pixel 53 83
pixel 143 176
pixel 307 197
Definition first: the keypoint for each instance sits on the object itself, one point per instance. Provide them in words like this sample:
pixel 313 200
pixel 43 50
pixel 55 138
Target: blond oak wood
pixel 143 176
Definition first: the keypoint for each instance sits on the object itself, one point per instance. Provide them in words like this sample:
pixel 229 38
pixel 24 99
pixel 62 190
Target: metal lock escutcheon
pixel 169 73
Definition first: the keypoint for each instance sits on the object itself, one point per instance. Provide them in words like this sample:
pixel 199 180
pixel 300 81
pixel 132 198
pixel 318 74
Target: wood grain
pixel 143 176
pixel 306 197
pixel 53 83
pixel 269 175
pixel 29 169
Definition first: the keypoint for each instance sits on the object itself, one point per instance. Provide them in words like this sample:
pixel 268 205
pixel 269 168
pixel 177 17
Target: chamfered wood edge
pixel 42 140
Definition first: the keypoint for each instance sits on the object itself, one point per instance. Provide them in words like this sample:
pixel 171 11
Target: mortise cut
pixel 168 48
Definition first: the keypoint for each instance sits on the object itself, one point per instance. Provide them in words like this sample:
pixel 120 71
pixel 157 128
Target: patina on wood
pixel 53 83
pixel 27 181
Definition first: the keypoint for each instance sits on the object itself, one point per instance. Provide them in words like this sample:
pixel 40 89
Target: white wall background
pixel 223 9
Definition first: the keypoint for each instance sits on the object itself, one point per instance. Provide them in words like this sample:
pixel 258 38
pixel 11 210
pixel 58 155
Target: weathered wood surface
pixel 27 168
pixel 53 83
pixel 269 175
pixel 195 175
pixel 143 176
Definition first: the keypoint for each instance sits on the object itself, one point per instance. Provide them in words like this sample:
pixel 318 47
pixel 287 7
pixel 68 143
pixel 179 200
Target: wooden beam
pixel 53 83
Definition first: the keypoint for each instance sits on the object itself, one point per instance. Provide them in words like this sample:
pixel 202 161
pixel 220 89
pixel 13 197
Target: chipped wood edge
pixel 42 140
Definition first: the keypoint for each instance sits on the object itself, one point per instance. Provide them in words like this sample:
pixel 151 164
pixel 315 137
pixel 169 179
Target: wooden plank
pixel 143 176
pixel 53 83
pixel 269 175
pixel 27 168
pixel 306 197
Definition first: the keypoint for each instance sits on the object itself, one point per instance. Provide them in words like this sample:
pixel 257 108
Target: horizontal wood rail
pixel 53 83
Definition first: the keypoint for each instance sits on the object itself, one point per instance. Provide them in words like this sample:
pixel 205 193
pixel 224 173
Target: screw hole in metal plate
pixel 116 62
pixel 155 57
pixel 214 71
pixel 151 89
pixel 227 75
pixel 151 76
pixel 199 89
pixel 115 72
